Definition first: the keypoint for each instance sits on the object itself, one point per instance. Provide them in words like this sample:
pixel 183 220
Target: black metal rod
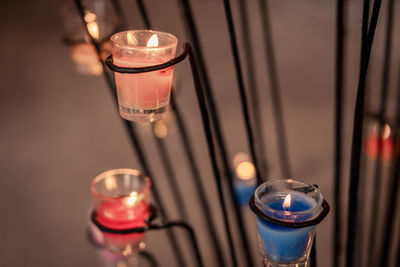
pixel 199 187
pixel 397 260
pixel 313 253
pixel 144 14
pixel 211 149
pixel 194 36
pixel 366 44
pixel 190 232
pixel 275 91
pixel 393 190
pixel 241 87
pixel 217 251
pixel 118 10
pixel 339 81
pixel 373 229
pixel 149 257
pixel 172 178
pixel 253 87
pixel 134 140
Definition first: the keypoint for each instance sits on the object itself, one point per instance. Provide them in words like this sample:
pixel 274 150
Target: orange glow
pixel 93 29
pixel 131 200
pixel 153 41
pixel 286 203
pixel 245 170
pixel 386 131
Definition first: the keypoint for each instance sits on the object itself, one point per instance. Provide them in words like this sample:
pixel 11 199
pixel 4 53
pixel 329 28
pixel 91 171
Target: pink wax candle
pixel 122 202
pixel 143 97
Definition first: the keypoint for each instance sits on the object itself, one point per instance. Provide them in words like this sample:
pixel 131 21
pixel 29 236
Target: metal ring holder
pixel 151 226
pixel 325 210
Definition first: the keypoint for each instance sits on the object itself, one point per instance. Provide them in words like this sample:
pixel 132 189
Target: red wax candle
pixel 122 202
pixel 371 145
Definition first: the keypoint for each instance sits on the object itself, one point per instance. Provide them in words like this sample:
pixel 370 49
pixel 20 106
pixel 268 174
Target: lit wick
pixel 153 41
pixel 286 203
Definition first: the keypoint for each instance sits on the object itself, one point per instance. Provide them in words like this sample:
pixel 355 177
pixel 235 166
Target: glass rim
pixel 114 172
pixel 261 205
pixel 126 46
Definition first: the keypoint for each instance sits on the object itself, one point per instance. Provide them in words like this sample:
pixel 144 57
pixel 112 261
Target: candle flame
pixel 153 41
pixel 286 203
pixel 386 131
pixel 131 200
pixel 93 29
pixel 245 170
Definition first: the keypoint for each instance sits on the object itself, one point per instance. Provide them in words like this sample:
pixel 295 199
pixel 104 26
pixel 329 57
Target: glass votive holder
pixel 102 21
pixel 121 198
pixel 290 201
pixel 244 179
pixel 143 97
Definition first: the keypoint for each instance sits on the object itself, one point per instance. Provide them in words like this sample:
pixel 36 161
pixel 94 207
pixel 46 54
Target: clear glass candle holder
pixel 102 21
pixel 143 97
pixel 121 199
pixel 291 201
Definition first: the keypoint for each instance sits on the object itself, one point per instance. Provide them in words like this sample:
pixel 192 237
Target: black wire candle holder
pixel 150 226
pixel 187 51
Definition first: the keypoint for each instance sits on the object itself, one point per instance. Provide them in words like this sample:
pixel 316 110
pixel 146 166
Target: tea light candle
pixel 143 97
pixel 371 146
pixel 244 179
pixel 292 201
pixel 122 202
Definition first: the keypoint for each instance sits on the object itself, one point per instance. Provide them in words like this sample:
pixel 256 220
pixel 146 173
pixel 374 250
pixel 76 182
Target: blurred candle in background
pixel 371 145
pixel 244 179
pixel 101 22
pixel 143 97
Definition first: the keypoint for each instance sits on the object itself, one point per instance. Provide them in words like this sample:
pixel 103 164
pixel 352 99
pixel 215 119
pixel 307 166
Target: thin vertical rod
pixel 143 12
pixel 134 139
pixel 194 36
pixel 189 230
pixel 313 253
pixel 366 43
pixel 382 110
pixel 150 258
pixel 275 91
pixel 339 81
pixel 242 90
pixel 397 260
pixel 393 189
pixel 199 187
pixel 211 150
pixel 121 16
pixel 217 251
pixel 254 96
pixel 171 175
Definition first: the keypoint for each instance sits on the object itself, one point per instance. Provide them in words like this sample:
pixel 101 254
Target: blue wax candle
pixel 283 244
pixel 244 180
pixel 244 190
